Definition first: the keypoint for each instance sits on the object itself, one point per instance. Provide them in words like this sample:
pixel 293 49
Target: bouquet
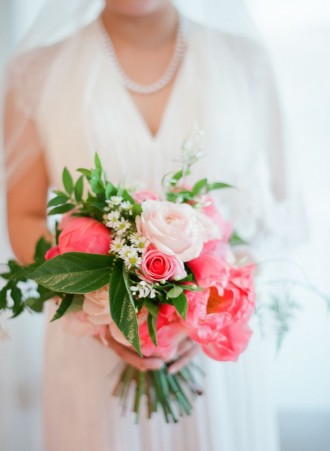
pixel 150 271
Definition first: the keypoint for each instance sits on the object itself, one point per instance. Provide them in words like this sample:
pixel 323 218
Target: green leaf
pixel 122 307
pixel 236 240
pixel 42 247
pixel 218 185
pixel 16 296
pixel 74 272
pixel 86 172
pixel 152 321
pixel 198 187
pixel 3 298
pixel 79 188
pixel 176 177
pixel 98 163
pixel 64 305
pixel 181 305
pixel 110 190
pixel 153 309
pixel 58 200
pixel 137 210
pixel 174 292
pixel 67 181
pixel 61 209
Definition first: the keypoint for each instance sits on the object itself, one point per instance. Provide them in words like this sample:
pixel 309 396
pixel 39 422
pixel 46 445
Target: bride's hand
pixel 187 350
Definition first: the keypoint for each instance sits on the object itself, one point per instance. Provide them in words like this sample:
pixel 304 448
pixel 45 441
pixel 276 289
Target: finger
pixel 185 346
pixel 132 358
pixel 183 360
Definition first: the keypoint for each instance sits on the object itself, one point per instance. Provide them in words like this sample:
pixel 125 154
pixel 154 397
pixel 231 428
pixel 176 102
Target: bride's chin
pixel 136 8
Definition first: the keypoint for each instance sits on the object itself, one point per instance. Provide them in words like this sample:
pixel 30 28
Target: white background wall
pixel 298 33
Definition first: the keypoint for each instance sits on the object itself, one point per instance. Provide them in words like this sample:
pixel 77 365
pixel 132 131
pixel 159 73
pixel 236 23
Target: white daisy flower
pixel 117 244
pixel 115 201
pixel 140 241
pixel 132 260
pixel 122 226
pixel 126 206
pixel 112 219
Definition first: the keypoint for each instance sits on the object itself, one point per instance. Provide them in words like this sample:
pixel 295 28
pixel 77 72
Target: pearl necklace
pixel 164 80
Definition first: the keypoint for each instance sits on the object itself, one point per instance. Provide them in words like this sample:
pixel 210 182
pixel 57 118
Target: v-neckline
pixel 136 113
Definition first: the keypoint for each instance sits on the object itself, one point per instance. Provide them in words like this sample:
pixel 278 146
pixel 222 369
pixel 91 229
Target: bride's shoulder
pixel 218 42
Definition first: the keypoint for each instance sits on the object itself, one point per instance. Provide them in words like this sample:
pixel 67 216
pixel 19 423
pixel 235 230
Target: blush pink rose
pixel 174 229
pixel 80 234
pixel 96 306
pixel 157 266
pixel 141 196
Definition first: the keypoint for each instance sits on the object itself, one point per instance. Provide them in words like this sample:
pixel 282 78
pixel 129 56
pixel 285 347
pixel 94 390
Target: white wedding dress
pixel 242 141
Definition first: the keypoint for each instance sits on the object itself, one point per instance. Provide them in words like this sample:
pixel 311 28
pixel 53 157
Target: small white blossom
pixel 126 206
pixel 117 244
pixel 144 290
pixel 122 226
pixel 112 219
pixel 140 241
pixel 115 201
pixel 132 260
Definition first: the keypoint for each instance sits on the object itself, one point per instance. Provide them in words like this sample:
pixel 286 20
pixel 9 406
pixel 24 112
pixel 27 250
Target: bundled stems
pixel 172 393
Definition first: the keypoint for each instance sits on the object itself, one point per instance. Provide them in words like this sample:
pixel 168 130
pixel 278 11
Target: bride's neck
pixel 151 31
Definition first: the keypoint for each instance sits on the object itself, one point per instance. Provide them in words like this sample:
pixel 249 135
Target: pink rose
pixel 174 229
pixel 80 234
pixel 157 266
pixel 141 196
pixel 96 306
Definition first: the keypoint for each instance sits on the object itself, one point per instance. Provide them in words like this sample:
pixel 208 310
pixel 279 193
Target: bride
pixel 131 82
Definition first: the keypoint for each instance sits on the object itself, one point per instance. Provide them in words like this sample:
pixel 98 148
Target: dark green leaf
pixel 153 309
pixel 16 296
pixel 42 247
pixel 174 292
pixel 79 188
pixel 61 209
pixel 67 181
pixel 3 298
pixel 64 305
pixel 198 187
pixel 152 321
pixel 181 305
pixel 58 200
pixel 122 306
pixel 74 272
